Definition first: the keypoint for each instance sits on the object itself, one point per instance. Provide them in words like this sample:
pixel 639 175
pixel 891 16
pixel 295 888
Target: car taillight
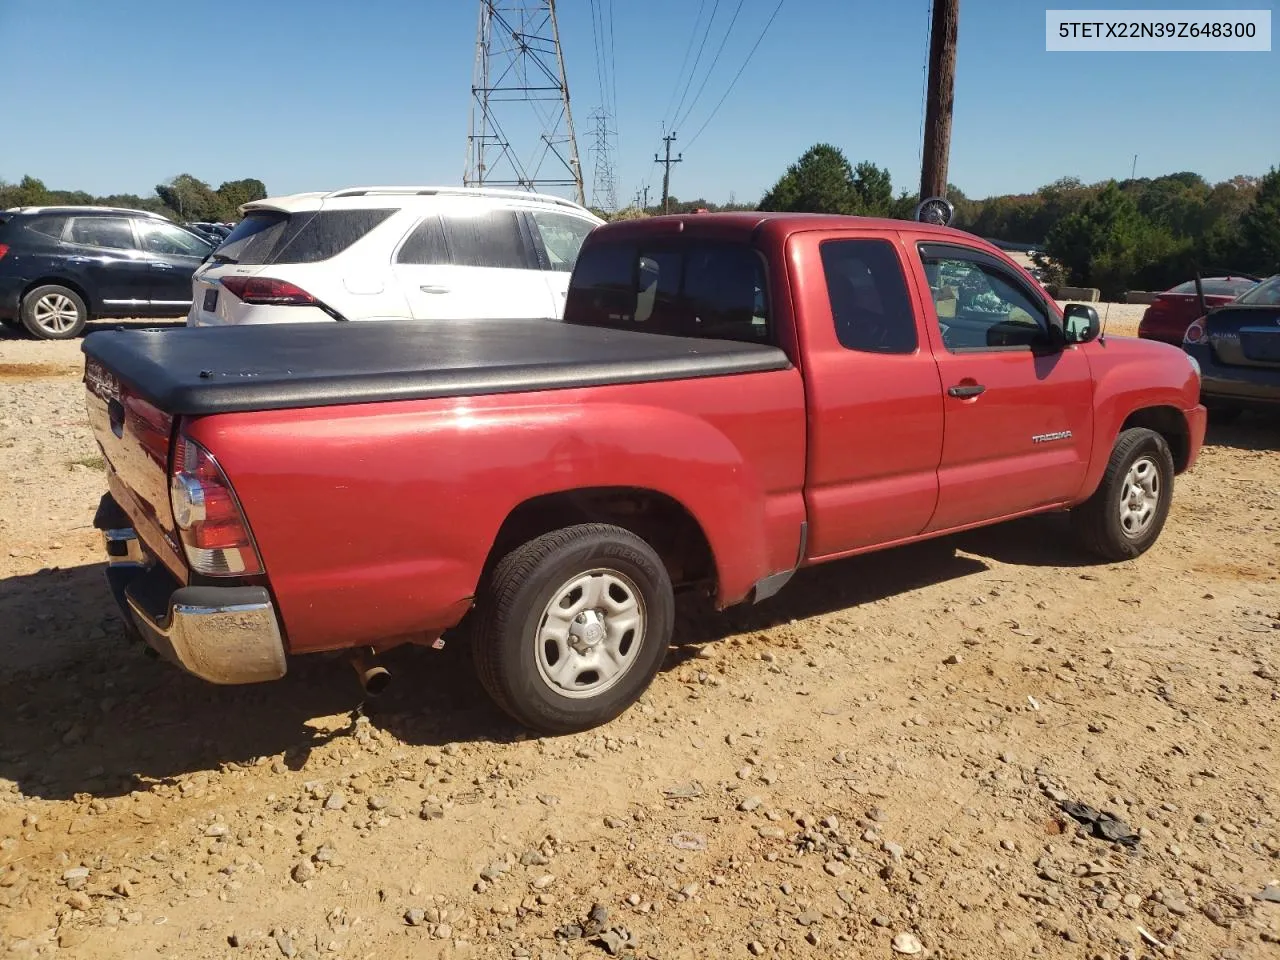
pixel 4 248
pixel 214 532
pixel 1194 334
pixel 266 290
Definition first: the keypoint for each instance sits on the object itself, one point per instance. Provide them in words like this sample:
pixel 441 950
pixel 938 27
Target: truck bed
pixel 193 371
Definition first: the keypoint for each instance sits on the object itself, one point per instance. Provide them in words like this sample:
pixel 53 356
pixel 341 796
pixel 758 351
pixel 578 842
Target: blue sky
pixel 117 95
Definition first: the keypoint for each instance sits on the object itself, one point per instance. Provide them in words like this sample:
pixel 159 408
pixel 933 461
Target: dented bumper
pixel 222 634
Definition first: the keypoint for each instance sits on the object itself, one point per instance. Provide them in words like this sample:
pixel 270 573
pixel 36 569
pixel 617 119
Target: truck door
pixel 875 400
pixel 1019 410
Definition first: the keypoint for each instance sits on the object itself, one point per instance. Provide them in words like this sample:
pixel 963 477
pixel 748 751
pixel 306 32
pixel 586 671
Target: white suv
pixel 429 253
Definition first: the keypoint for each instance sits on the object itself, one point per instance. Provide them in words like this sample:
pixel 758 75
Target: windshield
pixel 1265 294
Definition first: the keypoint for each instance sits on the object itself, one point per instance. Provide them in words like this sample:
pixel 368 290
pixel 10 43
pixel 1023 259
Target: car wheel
pixel 1126 513
pixel 53 313
pixel 573 627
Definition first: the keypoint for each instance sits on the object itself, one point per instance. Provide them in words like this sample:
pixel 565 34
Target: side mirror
pixel 1080 323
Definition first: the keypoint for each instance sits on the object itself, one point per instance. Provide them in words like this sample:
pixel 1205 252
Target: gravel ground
pixel 871 764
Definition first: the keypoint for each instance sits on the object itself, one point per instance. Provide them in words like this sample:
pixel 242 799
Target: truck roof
pixel 784 224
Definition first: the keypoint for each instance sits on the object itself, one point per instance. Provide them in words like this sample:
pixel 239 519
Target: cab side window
pixel 870 305
pixel 980 304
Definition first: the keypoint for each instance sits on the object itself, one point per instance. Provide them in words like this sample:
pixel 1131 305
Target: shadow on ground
pixel 18 332
pixel 92 713
pixel 1254 430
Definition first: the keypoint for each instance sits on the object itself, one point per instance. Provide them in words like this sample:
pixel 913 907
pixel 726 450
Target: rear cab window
pixel 306 236
pixel 688 288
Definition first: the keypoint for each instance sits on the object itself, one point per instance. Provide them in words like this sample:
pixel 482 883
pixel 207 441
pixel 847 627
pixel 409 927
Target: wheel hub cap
pixel 55 312
pixel 590 633
pixel 1141 497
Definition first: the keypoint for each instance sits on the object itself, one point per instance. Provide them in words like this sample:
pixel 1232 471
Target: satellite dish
pixel 935 210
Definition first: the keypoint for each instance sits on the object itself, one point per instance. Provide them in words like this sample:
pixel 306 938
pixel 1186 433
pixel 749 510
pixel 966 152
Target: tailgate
pixel 1245 336
pixel 135 436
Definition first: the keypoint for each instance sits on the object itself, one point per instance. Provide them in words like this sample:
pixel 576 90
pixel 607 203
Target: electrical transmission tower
pixel 604 194
pixel 521 132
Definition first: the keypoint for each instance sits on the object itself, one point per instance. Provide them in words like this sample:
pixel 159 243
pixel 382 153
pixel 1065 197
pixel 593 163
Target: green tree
pixel 1260 227
pixel 233 193
pixel 821 181
pixel 874 189
pixel 192 198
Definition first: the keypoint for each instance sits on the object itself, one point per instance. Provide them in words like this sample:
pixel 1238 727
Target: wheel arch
pixel 56 281
pixel 1171 424
pixel 659 519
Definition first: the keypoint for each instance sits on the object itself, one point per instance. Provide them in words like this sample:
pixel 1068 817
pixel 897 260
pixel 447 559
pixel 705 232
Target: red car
pixel 1178 307
pixel 730 397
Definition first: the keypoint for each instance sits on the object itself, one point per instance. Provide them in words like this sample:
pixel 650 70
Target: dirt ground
pixel 870 762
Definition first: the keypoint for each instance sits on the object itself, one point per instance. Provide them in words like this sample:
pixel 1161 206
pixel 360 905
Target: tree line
pixel 184 198
pixel 1138 234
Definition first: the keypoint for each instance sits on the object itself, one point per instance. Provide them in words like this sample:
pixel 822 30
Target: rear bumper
pixel 1243 386
pixel 224 635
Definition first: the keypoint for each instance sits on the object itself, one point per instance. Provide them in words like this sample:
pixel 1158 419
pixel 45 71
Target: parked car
pixel 729 398
pixel 63 266
pixel 1169 315
pixel 1238 349
pixel 213 233
pixel 425 253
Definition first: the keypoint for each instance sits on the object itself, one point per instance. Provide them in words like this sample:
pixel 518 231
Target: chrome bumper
pixel 220 634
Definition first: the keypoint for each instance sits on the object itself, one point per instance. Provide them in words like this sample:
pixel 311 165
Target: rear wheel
pixel 574 626
pixel 53 312
pixel 1126 513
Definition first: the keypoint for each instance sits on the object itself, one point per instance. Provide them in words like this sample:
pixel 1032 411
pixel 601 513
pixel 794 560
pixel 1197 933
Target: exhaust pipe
pixel 374 678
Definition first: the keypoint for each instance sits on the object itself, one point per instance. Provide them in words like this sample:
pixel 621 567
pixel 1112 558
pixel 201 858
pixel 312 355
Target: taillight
pixel 4 248
pixel 1194 334
pixel 214 532
pixel 266 290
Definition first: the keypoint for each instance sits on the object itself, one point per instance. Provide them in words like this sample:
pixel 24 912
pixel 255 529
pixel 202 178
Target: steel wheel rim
pixel 55 313
pixel 1140 497
pixel 590 633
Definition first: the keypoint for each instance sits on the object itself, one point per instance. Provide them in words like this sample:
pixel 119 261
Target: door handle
pixel 161 266
pixel 966 390
pixel 433 288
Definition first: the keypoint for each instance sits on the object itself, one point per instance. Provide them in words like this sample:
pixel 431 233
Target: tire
pixel 554 687
pixel 1126 513
pixel 52 312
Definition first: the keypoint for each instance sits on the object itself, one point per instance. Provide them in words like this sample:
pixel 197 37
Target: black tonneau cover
pixel 204 370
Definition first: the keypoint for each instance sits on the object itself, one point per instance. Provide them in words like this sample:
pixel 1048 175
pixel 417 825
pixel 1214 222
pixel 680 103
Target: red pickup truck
pixel 729 398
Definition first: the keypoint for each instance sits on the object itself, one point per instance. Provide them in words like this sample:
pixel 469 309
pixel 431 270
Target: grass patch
pixel 93 463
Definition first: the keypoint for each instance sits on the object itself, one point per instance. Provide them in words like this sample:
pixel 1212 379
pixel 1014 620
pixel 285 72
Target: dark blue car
pixel 1237 347
pixel 63 266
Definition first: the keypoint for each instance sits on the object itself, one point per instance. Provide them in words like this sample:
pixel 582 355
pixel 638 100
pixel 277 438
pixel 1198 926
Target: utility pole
pixel 941 98
pixel 519 84
pixel 646 197
pixel 666 172
pixel 1134 172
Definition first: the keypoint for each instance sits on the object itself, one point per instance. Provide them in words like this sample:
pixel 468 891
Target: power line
pixel 613 61
pixel 711 69
pixel 706 35
pixel 736 76
pixel 685 61
pixel 924 78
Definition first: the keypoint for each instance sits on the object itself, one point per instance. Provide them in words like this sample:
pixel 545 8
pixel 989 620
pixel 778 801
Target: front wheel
pixel 1126 513
pixel 574 626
